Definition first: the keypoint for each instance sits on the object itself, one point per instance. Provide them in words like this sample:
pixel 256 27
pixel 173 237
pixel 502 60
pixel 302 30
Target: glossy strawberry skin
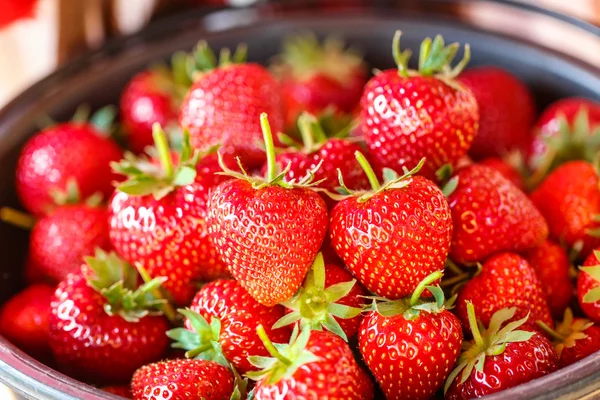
pixel 182 379
pixel 395 239
pixel 507 170
pixel 505 280
pixel 582 348
pixel 491 215
pixel 506 111
pixel 223 108
pixel 89 344
pixel 240 315
pixel 406 119
pixel 59 241
pixel 519 363
pixel 60 153
pixel 24 319
pixel 145 101
pixel 569 199
pixel 335 376
pixel 267 237
pixel 585 283
pixel 551 265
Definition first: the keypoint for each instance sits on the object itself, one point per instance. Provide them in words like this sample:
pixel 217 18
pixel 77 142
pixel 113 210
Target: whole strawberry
pixel 411 345
pixel 588 286
pixel 315 77
pixel 72 151
pixel 101 325
pixel 506 111
pixel 182 379
pixel 505 280
pixel 502 354
pixel 157 218
pixel 551 264
pixel 314 365
pixel 394 235
pixel 224 104
pixel 491 215
pixel 569 199
pixel 24 319
pixel 267 231
pixel 409 115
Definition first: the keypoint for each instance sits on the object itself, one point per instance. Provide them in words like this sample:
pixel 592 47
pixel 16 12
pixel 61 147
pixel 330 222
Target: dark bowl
pixel 98 77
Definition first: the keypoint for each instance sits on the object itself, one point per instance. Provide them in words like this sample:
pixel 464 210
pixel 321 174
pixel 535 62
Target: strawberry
pixel 569 199
pixel 119 390
pixel 410 345
pixel 182 379
pixel 222 311
pixel 588 286
pixel 408 115
pixel 314 365
pixel 24 319
pixel 499 357
pixel 157 218
pixel 394 235
pixel 329 298
pixel 73 151
pixel 506 111
pixel 491 215
pixel 506 169
pixel 573 339
pixel 505 280
pixel 101 325
pixel 315 77
pixel 267 231
pixel 551 265
pixel 224 104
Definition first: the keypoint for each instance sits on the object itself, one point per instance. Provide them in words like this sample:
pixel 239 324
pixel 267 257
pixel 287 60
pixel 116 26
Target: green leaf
pixel 318 272
pixel 333 326
pixel 104 118
pixel 499 318
pixel 140 186
pixel 593 271
pixel 592 296
pixel 389 175
pixel 184 176
pixel 287 319
pixel 339 290
pixel 343 311
pixel 450 186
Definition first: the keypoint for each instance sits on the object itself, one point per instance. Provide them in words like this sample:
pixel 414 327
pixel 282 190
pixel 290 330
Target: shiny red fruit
pixel 507 170
pixel 582 347
pixel 586 283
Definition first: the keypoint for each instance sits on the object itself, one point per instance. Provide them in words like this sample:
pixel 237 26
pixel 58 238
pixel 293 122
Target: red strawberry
pixel 394 235
pixel 491 215
pixel 73 151
pixel 122 390
pixel 315 76
pixel 24 319
pixel 411 345
pixel 500 357
pixel 506 169
pixel 182 379
pixel 551 265
pixel 588 286
pixel 101 329
pixel 569 199
pixel 506 111
pixel 267 231
pixel 224 104
pixel 329 298
pixel 314 365
pixel 408 115
pixel 225 303
pixel 505 280
pixel 157 219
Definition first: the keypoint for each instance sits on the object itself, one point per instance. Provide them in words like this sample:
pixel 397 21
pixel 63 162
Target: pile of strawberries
pixel 306 232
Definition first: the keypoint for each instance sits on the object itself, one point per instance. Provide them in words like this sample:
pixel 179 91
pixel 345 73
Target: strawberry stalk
pixel 269 147
pixel 414 299
pixel 262 334
pixel 17 218
pixel 162 146
pixel 362 160
pixel 474 326
pixel 567 332
pixel 166 307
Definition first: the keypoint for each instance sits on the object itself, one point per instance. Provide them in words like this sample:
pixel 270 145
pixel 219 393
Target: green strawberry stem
pixel 166 308
pixel 362 160
pixel 262 334
pixel 17 218
pixel 400 57
pixel 414 299
pixel 162 146
pixel 474 326
pixel 269 147
pixel 550 332
pixel 198 350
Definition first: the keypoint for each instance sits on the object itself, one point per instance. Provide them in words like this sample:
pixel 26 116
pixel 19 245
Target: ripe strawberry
pixel 182 379
pixel 505 280
pixel 226 304
pixel 24 319
pixel 394 235
pixel 408 115
pixel 411 345
pixel 224 104
pixel 315 77
pixel 72 151
pixel 267 231
pixel 506 169
pixel 314 365
pixel 329 298
pixel 551 265
pixel 500 357
pixel 506 111
pixel 101 328
pixel 569 199
pixel 588 286
pixel 157 218
pixel 491 215
pixel 119 390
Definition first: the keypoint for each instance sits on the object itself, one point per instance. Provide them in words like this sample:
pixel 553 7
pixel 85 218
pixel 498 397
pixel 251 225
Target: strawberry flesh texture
pixel 585 283
pixel 582 348
pixel 60 153
pixel 507 170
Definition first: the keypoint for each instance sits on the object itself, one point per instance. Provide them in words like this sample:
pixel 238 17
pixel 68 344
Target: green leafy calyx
pixel 71 195
pixel 593 295
pixel 203 59
pixel 568 332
